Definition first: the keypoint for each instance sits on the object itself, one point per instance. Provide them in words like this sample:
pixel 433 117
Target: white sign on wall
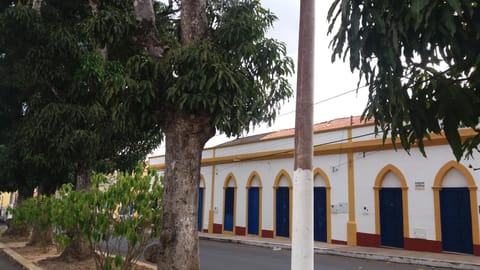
pixel 420 185
pixel 340 208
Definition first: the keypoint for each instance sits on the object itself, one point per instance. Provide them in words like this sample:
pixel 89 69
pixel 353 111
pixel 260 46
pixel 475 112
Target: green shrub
pixel 96 214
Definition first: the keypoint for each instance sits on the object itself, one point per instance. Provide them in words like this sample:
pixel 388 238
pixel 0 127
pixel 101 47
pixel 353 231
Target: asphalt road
pixel 220 256
pixel 7 264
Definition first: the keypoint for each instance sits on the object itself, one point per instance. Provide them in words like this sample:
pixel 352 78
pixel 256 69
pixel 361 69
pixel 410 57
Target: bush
pixel 96 214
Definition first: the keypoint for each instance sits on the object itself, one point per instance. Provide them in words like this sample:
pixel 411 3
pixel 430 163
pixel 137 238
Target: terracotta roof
pixel 338 123
pixel 244 140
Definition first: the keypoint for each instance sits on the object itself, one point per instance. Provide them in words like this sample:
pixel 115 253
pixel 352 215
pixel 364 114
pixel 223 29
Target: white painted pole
pixel 302 235
pixel 302 238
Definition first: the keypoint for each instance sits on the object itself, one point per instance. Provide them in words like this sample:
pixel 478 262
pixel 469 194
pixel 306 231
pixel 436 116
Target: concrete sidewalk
pixel 445 260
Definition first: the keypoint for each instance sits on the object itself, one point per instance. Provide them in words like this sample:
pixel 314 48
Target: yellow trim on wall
pixel 260 206
pixel 230 177
pixel 327 149
pixel 328 187
pixel 211 211
pixel 351 224
pixel 378 185
pixel 290 195
pixel 437 186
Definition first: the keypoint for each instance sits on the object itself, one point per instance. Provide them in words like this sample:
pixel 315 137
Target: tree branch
pixel 148 35
pixel 94 7
pixel 36 5
pixel 193 20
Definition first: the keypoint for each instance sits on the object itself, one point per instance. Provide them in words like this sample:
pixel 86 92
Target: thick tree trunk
pixel 186 136
pixel 79 249
pixel 83 180
pixel 42 237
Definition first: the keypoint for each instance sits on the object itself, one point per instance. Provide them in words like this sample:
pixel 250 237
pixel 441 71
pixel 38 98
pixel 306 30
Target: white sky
pixel 331 80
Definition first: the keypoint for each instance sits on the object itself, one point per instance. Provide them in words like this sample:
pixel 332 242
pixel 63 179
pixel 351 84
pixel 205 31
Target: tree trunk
pixel 194 21
pixel 37 4
pixel 42 237
pixel 147 36
pixel 83 180
pixel 186 136
pixel 78 249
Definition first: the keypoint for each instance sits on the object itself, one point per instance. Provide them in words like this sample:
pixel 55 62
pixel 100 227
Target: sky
pixel 334 83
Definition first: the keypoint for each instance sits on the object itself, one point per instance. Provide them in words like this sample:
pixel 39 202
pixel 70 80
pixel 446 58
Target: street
pixel 219 256
pixel 7 264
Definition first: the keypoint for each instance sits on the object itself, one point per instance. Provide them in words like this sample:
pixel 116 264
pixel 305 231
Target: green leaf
pixel 456 5
pixel 419 5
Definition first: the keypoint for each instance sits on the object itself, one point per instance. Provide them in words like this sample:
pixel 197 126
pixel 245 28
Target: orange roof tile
pixel 338 123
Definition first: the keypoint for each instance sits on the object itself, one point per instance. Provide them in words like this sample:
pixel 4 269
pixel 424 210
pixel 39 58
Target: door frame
pixel 252 176
pixel 328 187
pixel 437 186
pixel 290 206
pixel 378 185
pixel 230 177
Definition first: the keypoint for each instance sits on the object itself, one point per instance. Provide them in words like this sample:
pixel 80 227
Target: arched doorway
pixel 321 206
pixel 391 205
pixel 229 199
pixel 282 204
pixel 455 199
pixel 254 204
pixel 201 202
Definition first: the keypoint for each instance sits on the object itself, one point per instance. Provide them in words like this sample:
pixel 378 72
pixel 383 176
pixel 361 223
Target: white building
pixel 365 193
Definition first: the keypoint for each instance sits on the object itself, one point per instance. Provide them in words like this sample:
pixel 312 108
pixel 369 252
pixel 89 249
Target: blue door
pixel 320 214
pixel 391 217
pixel 456 220
pixel 253 210
pixel 228 214
pixel 283 212
pixel 131 209
pixel 200 208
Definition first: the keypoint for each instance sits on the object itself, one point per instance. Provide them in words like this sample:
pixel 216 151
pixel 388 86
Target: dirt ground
pixel 47 258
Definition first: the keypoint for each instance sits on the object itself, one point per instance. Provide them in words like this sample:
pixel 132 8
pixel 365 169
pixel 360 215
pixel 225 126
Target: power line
pixel 328 99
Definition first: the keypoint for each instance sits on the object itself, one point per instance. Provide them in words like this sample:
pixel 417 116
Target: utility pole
pixel 302 238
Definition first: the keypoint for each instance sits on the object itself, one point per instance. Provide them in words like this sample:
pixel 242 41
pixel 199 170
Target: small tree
pixel 95 215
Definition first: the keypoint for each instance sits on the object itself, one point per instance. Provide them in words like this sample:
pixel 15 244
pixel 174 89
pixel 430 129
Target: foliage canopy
pixel 420 61
pixel 73 106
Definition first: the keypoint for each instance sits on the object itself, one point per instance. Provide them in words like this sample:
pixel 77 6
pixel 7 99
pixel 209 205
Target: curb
pixel 19 259
pixel 401 259
pixel 358 255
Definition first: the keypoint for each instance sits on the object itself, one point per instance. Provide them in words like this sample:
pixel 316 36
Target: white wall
pixel 363 133
pixel 367 166
pixel 336 169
